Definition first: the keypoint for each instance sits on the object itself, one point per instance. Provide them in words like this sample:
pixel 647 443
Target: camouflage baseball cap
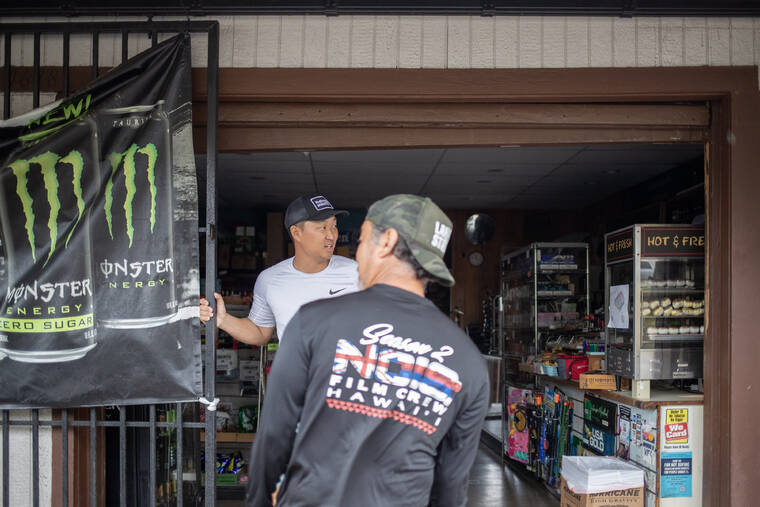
pixel 422 224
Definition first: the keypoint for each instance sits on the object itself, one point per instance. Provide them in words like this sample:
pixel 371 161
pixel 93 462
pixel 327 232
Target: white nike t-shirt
pixel 281 290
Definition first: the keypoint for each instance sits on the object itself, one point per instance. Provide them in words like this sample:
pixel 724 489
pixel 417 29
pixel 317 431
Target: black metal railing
pixel 120 419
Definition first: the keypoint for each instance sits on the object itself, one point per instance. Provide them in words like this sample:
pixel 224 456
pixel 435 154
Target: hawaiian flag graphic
pixel 363 363
pixel 395 367
pixel 440 383
pixel 399 369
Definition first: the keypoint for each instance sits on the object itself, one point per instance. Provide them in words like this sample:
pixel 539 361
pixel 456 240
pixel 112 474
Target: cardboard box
pixel 597 381
pixel 633 497
pixel 595 360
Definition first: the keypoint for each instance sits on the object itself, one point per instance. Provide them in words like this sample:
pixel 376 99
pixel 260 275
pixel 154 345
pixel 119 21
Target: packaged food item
pixel 666 302
pixel 247 416
pixel 223 463
pixel 646 311
pixel 238 464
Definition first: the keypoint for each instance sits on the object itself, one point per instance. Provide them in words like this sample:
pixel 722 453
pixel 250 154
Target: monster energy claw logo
pixel 48 163
pixel 130 173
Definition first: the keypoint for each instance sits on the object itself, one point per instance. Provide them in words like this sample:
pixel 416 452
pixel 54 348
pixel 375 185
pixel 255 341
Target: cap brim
pixel 319 216
pixel 433 265
pixel 326 213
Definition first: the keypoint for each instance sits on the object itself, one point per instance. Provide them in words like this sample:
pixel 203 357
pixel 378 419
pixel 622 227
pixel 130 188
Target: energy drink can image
pixel 3 278
pixel 133 243
pixel 46 303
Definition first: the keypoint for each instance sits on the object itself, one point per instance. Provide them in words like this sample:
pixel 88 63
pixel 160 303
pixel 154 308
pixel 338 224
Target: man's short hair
pixel 403 253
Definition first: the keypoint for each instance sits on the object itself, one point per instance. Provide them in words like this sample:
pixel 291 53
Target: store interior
pixel 521 196
pixel 541 193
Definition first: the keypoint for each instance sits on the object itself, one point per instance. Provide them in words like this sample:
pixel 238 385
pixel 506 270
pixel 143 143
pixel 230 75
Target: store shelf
pixel 674 316
pixel 676 337
pixel 224 436
pixel 670 290
pixel 558 296
pixel 230 492
pixel 559 268
pixel 552 293
pixel 534 281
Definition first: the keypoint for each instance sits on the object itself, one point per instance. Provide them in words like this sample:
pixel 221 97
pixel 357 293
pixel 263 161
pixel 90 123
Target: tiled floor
pixel 490 486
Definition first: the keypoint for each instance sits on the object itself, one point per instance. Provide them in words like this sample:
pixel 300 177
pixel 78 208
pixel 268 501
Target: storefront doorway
pixel 302 110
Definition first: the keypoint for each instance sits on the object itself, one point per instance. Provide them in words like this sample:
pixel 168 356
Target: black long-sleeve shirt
pixel 374 399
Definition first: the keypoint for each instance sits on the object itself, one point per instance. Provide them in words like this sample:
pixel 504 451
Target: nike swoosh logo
pixel 333 292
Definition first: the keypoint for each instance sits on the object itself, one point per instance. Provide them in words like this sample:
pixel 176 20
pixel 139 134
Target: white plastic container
pixel 598 474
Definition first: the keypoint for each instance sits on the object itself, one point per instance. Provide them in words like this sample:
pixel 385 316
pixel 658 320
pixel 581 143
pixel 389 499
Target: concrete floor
pixel 490 486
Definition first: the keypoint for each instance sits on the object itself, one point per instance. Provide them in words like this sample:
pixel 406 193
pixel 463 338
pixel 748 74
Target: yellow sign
pixel 677 415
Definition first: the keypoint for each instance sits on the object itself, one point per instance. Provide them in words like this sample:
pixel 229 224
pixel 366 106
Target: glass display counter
pixel 655 303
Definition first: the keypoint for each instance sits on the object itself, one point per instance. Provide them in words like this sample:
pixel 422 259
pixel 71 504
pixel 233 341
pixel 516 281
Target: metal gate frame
pixel 94 29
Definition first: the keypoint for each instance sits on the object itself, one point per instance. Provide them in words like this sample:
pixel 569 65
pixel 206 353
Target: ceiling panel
pixel 509 177
pixel 513 154
pixel 493 168
pixel 372 167
pixel 419 156
pixel 497 179
pixel 645 154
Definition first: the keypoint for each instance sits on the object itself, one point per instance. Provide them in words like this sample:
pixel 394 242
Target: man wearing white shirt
pixel 312 273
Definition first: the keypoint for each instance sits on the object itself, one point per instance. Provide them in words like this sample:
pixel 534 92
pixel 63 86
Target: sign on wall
pixel 676 460
pixel 518 435
pixel 98 229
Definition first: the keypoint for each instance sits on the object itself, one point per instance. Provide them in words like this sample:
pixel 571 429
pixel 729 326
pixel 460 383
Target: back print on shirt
pixel 385 376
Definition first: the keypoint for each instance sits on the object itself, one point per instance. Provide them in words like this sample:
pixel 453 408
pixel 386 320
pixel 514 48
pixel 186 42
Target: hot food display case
pixel 655 303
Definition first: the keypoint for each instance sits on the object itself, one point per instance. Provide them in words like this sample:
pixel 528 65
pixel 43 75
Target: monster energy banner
pixel 99 276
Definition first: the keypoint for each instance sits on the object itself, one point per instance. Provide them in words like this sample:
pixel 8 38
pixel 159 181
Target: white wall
pixel 453 42
pixel 434 42
pixel 20 470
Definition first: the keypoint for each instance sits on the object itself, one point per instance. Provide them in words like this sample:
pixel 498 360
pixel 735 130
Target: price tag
pixel 226 359
pixel 249 371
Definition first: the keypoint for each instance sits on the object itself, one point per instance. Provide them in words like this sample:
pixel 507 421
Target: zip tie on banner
pixel 210 405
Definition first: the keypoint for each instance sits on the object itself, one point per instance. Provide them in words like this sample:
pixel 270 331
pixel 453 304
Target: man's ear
pixel 295 232
pixel 387 243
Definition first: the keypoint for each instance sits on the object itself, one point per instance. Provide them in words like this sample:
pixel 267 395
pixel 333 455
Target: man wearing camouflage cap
pixel 376 397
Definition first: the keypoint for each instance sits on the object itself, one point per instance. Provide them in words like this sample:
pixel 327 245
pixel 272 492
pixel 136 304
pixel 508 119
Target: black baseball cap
pixel 314 208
